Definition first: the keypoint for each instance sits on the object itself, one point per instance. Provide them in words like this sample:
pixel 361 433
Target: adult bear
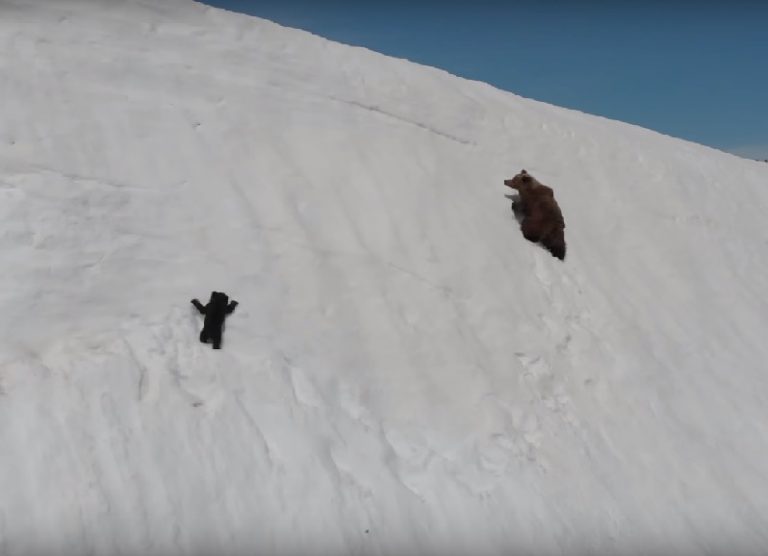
pixel 542 221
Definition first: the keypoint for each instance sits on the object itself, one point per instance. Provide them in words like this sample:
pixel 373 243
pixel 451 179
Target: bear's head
pixel 522 182
pixel 219 298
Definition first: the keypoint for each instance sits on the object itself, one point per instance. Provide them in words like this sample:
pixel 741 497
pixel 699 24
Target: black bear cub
pixel 215 312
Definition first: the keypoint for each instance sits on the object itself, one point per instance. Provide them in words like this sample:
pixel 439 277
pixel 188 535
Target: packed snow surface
pixel 405 373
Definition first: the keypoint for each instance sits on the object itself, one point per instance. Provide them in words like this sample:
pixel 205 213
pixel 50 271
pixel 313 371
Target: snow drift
pixel 405 373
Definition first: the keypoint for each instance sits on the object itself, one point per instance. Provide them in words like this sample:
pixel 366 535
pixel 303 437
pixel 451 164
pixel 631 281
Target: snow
pixel 405 374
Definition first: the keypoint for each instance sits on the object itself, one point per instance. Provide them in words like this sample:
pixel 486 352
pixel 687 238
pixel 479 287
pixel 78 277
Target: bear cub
pixel 215 312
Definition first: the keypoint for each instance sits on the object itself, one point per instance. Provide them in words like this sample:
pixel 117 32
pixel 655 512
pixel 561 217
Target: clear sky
pixel 692 69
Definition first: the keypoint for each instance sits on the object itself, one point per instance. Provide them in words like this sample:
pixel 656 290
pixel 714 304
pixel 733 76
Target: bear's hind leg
pixel 204 336
pixel 216 338
pixel 555 244
pixel 558 251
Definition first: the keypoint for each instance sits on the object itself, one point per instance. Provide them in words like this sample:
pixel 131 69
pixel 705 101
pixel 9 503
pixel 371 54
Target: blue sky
pixel 692 69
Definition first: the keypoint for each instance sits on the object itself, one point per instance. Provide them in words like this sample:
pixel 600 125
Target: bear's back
pixel 541 199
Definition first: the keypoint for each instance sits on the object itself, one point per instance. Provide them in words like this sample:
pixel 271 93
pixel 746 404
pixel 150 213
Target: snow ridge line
pixel 386 113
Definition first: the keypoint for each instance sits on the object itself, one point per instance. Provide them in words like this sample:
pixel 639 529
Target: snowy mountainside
pixel 405 374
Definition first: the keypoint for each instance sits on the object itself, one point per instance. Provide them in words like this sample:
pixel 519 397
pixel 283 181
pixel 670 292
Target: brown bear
pixel 542 222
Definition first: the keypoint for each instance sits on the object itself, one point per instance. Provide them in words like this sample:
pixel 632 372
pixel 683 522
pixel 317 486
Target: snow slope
pixel 405 374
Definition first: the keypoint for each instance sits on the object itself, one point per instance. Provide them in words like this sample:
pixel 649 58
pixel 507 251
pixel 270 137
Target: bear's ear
pixel 526 178
pixel 524 172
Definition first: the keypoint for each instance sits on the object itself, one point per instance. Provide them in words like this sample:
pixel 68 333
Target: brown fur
pixel 542 221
